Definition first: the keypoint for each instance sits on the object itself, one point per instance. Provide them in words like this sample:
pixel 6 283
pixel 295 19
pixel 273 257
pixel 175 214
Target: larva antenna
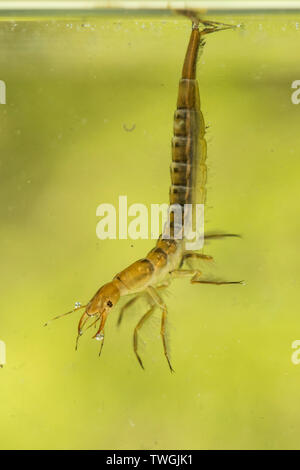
pixel 77 307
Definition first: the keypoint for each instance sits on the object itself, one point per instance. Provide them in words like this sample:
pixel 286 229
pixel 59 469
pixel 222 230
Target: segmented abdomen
pixel 188 168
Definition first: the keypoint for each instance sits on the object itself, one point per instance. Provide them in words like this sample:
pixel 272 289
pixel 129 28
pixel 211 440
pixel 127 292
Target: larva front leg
pixel 135 334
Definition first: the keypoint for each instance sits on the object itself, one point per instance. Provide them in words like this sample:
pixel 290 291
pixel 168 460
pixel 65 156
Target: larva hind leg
pixel 216 24
pixel 196 280
pixel 192 254
pixel 189 255
pixel 211 26
pixel 217 236
pixel 195 276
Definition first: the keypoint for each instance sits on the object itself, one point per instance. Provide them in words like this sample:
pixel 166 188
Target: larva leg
pixel 134 299
pixel 159 302
pixel 163 336
pixel 163 285
pixel 182 273
pixel 192 254
pixel 216 283
pixel 135 334
pixel 216 236
pixel 195 277
pixel 125 307
pixel 216 24
pixel 195 18
pixel 188 255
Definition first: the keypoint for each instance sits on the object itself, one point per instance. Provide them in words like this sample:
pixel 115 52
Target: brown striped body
pixel 188 169
pixel 154 269
pixel 188 152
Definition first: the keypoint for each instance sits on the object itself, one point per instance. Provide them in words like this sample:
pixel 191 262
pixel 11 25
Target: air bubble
pixel 99 336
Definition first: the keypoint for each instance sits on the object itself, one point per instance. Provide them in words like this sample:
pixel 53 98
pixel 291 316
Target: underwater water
pixel 88 117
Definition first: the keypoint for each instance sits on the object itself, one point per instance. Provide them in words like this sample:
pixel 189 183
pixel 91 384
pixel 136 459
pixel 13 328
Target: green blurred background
pixel 72 85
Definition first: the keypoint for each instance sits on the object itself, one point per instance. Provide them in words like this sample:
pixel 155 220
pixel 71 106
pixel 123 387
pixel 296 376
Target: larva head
pixel 99 307
pixel 104 300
